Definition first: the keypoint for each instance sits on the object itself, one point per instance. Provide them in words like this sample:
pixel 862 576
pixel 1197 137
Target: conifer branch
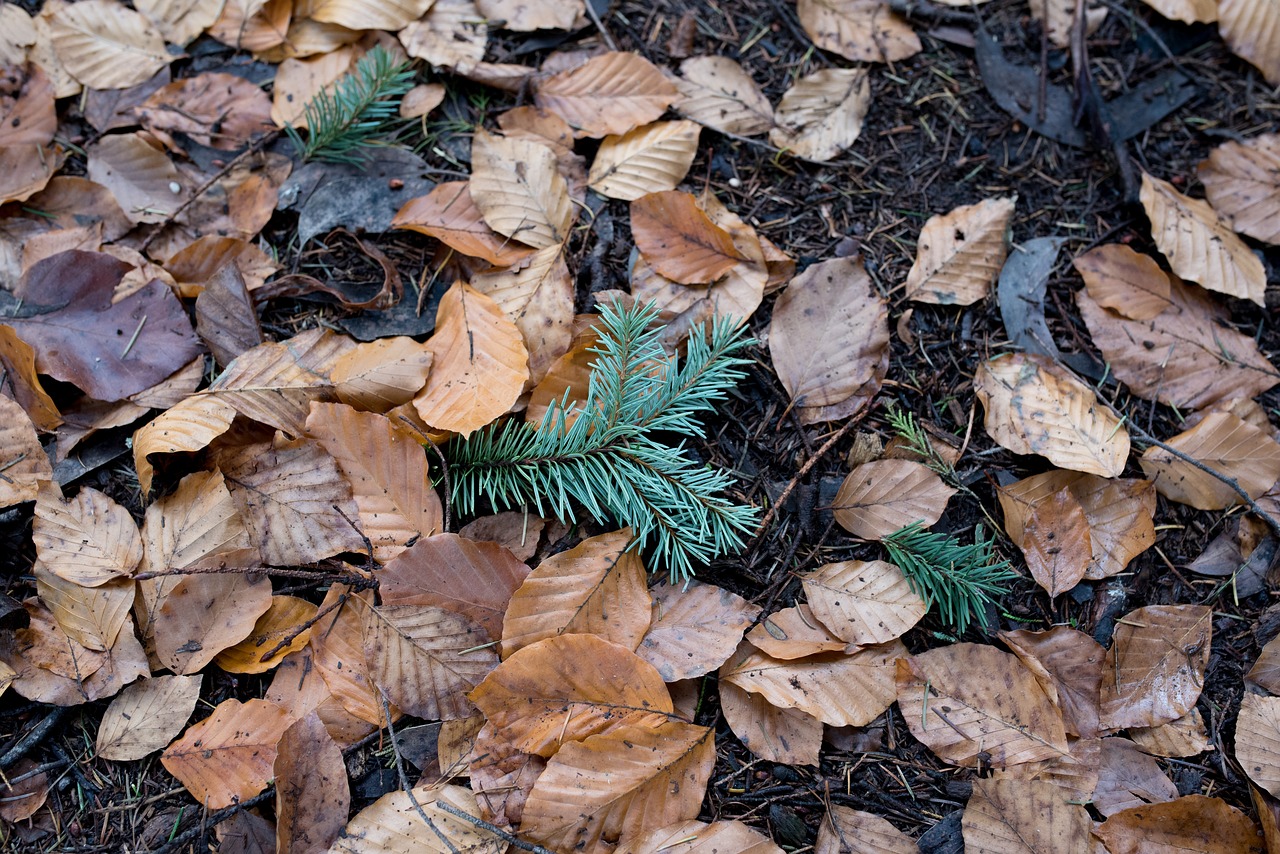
pixel 605 456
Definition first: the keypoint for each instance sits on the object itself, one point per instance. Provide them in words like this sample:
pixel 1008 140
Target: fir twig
pixel 917 441
pixel 960 579
pixel 606 455
pixel 363 106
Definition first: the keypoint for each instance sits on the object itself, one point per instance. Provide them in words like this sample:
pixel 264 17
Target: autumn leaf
pixel 228 756
pixel 146 716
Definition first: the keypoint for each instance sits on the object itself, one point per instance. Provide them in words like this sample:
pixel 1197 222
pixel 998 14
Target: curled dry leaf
pixel 479 363
pixel 1036 406
pixel 821 115
pixel 449 214
pixel 838 689
pixel 1155 668
pixel 698 837
pixel 380 375
pixel 679 240
pixel 1228 445
pixel 189 426
pixel 538 297
pixel 1068 664
pixel 608 94
pixel 597 587
pixel 1193 823
pixel 882 496
pixel 147 716
pixel 387 470
pixel 844 831
pixel 1258 740
pixel 695 628
pixel 283 629
pixel 313 797
pixel 863 602
pixel 861 30
pixel 1242 181
pixel 228 756
pixel 567 688
pixel 106 45
pixel 451 35
pixel 969 699
pixel 393 825
pixel 623 783
pixel 1021 816
pixel 87 540
pixel 1198 245
pixel 206 613
pixel 1128 778
pixel 1251 28
pixel 518 189
pixel 24 461
pixel 650 159
pixel 960 254
pixel 828 333
pixel 715 91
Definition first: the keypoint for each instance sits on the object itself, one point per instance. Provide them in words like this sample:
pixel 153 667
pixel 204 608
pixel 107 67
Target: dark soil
pixel 934 139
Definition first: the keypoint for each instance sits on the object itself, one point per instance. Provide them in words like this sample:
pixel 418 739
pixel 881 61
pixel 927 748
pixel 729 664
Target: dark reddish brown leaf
pixel 215 109
pixel 679 240
pixel 225 317
pixel 312 794
pixel 1069 662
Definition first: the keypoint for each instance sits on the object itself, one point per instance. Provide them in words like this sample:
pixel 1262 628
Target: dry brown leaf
pixel 337 645
pixel 1155 668
pixel 451 35
pixel 1025 817
pixel 1240 179
pixel 425 659
pixel 694 629
pixel 1258 740
pixel 421 100
pixel 618 784
pixel 959 254
pixel 26 170
pixel 698 837
pixel 597 587
pixel 1057 17
pixel 538 297
pixel 1193 823
pixel 25 463
pixel 145 183
pixel 22 384
pixel 91 616
pixel 794 633
pixel 106 45
pixel 1265 672
pixel 201 259
pixel 1075 773
pixel 45 645
pixel 1068 664
pixel 828 333
pixel 650 159
pixel 849 831
pixel 1268 810
pixel 299 688
pixel 299 81
pixel 23 792
pixel 27 114
pixel 252 25
pixel 86 540
pixel 969 699
pixel 1128 778
pixel 1187 11
pixel 17 33
pixel 393 825
pixel 313 797
pixel 179 21
pixel 380 375
pixel 567 688
pixel 1197 243
pixel 501 776
pixel 206 613
pixel 525 16
pixel 571 373
pixel 1184 737
pixel 280 628
pixel 189 426
pixel 1056 542
pixel 225 317
pixel 882 496
pixel 1225 443
pixel 861 30
pixel 679 240
pixel 216 109
pixel 1251 28
pixel 517 531
pixel 863 602
pixel 387 470
pixel 1036 406
pixel 369 14
pixel 518 189
pixel 228 756
pixel 479 367
pixel 147 716
pixel 821 115
pixel 296 505
pixel 715 91
pixel 608 94
pixel 790 736
pixel 449 214
pixel 838 689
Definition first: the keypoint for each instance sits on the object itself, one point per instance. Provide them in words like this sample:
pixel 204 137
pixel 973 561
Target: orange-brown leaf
pixel 228 756
pixel 679 240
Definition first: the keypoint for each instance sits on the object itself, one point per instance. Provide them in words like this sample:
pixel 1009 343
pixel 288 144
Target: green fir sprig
pixel 960 579
pixel 609 455
pixel 917 441
pixel 363 107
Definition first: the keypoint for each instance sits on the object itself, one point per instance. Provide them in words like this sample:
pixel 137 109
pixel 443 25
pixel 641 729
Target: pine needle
pixel 960 579
pixel 917 441
pixel 363 107
pixel 608 456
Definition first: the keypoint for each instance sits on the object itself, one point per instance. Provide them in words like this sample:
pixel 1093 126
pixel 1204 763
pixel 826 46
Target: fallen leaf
pixel 216 109
pixel 679 240
pixel 518 189
pixel 474 382
pixel 501 777
pixel 821 114
pixel 284 627
pixel 45 645
pixel 228 756
pixel 861 30
pixel 198 262
pixel 789 736
pixel 525 16
pixel 27 114
pixel 621 783
pixel 969 699
pixel 147 716
pixel 717 92
pixel 19 33
pixel 1068 664
pixel 86 540
pixel 25 790
pixel 106 45
pixel 694 629
pixel 608 94
pixel 846 831
pixel 1187 11
pixel 959 254
pixel 451 35
pixel 828 333
pixel 91 616
pixel 598 588
pixel 1035 406
pixel 652 158
pixel 24 461
pixel 1228 445
pixel 1057 17
pixel 449 214
pixel 1181 738
pixel 698 837
pixel 565 689
pixel 1056 542
pixel 1198 245
pixel 882 496
pixel 1240 180
pixel 538 297
pixel 146 185
pixel 179 21
pixel 393 825
pixel 337 645
pixel 22 384
pixel 1074 773
pixel 793 633
pixel 313 797
pixel 1024 817
pixel 369 14
pixel 299 688
pixel 1251 28
pixel 225 316
pixel 190 426
pixel 206 613
pixel 1128 778
pixel 380 375
pixel 1265 672
pixel 298 82
pixel 1193 823
pixel 1155 668
pixel 863 602
pixel 517 531
pixel 1258 740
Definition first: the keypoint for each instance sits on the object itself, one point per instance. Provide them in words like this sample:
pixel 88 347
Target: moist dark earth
pixel 934 139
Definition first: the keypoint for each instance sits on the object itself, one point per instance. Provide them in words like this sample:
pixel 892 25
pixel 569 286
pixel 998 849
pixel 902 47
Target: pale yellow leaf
pixel 519 190
pixel 147 716
pixel 106 45
pixel 717 92
pixel 180 21
pixel 1187 11
pixel 1225 443
pixel 17 33
pixel 525 16
pixel 959 254
pixel 86 540
pixel 649 159
pixel 863 602
pixel 821 115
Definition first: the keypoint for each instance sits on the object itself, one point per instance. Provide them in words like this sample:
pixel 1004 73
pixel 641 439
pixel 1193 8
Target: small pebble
pixel 735 183
pixel 175 187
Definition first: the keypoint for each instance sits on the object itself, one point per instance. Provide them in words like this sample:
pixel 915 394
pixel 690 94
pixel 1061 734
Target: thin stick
pixel 516 841
pixel 604 33
pixel 404 778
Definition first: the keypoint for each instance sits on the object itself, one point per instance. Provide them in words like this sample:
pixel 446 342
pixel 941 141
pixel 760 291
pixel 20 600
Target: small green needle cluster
pixel 960 579
pixel 363 106
pixel 609 455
